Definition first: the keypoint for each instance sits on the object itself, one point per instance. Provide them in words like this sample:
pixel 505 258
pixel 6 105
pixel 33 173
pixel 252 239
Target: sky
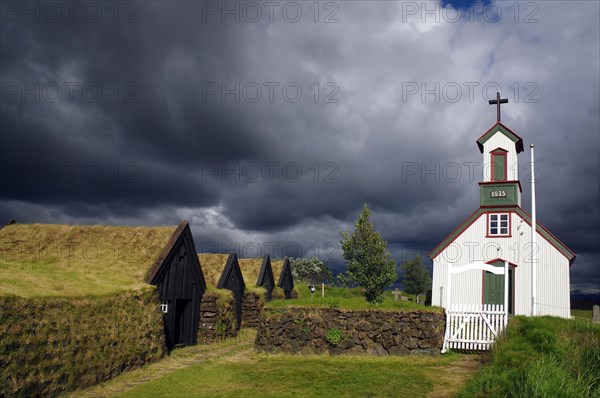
pixel 268 125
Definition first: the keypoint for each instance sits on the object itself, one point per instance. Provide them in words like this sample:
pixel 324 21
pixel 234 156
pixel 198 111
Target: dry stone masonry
pixel 372 332
pixel 251 310
pixel 217 317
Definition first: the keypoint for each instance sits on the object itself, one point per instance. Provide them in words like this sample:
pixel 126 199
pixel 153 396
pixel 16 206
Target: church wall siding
pixel 472 245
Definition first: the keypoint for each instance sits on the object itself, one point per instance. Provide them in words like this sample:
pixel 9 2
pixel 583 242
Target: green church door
pixel 493 289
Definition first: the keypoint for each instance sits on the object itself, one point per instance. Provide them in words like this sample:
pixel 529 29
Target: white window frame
pixel 499 224
pixel 164 306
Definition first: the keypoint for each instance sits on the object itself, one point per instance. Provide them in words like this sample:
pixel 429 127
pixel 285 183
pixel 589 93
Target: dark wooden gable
pixel 232 279
pixel 265 277
pixel 286 280
pixel 180 284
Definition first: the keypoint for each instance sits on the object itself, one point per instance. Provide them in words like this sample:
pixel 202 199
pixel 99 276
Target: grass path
pixel 455 376
pixel 239 348
pixel 231 369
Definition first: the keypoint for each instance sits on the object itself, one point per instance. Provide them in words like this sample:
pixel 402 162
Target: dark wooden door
pixel 179 332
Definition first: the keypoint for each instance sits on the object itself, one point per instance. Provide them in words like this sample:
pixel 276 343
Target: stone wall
pixel 372 332
pixel 252 309
pixel 217 316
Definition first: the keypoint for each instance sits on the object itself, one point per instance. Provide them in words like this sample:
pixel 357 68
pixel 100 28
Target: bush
pixel 334 337
pixel 310 270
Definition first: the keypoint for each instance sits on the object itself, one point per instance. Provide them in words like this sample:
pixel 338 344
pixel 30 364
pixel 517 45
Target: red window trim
pixel 499 152
pixel 487 226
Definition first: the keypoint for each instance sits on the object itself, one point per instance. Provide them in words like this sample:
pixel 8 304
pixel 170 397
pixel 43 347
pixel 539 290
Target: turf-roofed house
pixel 261 287
pixel 265 277
pixel 81 295
pixel 223 273
pixel 178 277
pixel 285 278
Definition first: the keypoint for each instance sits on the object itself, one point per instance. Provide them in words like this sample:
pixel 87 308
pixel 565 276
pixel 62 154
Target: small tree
pixel 343 280
pixel 367 260
pixel 310 270
pixel 415 278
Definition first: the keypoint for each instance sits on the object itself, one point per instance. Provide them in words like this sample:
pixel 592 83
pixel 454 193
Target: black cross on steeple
pixel 497 102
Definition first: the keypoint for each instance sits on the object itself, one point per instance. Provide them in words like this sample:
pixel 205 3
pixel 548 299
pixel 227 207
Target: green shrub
pixel 334 337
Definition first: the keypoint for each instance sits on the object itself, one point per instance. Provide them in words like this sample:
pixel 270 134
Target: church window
pixel 498 224
pixel 498 164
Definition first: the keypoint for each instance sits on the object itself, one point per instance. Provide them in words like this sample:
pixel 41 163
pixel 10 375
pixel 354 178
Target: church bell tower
pixel 500 147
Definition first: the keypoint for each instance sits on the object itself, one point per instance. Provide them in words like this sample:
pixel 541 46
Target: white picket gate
pixel 473 327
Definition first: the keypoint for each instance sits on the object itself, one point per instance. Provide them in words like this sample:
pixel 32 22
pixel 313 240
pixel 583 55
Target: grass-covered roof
pixel 73 260
pixel 213 265
pixel 277 267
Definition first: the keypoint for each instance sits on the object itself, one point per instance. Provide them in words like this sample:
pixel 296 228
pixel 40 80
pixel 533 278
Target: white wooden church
pixel 498 233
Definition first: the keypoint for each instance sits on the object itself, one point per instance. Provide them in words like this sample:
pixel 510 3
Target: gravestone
pixel 403 298
pixel 396 294
pixel 428 298
pixel 596 314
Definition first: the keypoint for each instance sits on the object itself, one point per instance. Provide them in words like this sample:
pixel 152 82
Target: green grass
pixel 49 345
pixel 542 357
pixel 582 314
pixel 310 376
pixel 72 260
pixel 213 264
pixel 347 299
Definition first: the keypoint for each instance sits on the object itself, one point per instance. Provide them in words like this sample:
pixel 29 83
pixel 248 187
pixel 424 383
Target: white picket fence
pixel 473 326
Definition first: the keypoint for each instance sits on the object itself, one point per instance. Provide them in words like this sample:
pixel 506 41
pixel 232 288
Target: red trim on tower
pixel 498 152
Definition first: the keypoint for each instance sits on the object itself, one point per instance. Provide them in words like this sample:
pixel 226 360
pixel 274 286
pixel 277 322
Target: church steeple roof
pixel 501 128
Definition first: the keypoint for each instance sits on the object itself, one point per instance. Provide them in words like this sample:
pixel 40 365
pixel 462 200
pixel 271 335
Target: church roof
pixel 554 241
pixel 499 127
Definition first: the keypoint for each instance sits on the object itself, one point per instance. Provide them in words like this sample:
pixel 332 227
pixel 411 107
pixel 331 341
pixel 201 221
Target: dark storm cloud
pixel 180 129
